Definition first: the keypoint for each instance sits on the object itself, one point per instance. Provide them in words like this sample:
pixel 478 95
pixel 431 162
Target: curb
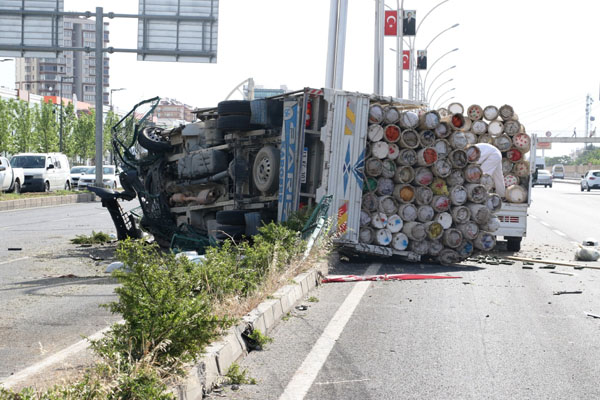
pixel 219 356
pixel 49 201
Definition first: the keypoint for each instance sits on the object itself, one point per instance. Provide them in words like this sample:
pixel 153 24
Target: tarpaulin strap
pixel 384 277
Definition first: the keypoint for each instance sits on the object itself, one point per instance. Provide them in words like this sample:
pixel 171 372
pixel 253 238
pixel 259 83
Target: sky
pixel 540 56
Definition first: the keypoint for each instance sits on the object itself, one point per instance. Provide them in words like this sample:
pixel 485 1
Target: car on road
pixel 558 171
pixel 110 178
pixel 43 171
pixel 77 172
pixel 542 177
pixel 591 180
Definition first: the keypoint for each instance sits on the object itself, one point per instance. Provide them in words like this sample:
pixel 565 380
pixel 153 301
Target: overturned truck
pixel 395 178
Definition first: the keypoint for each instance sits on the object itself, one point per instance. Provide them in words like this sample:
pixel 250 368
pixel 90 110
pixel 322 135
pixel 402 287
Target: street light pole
pixel 442 84
pixel 111 96
pixel 442 95
pixel 434 79
pixel 60 131
pixel 445 101
pixel 430 67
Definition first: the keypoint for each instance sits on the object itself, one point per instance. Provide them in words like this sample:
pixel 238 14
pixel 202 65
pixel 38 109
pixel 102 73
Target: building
pixel 261 92
pixel 170 112
pixel 42 76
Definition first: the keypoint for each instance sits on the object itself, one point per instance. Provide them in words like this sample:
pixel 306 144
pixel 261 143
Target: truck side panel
pixel 347 122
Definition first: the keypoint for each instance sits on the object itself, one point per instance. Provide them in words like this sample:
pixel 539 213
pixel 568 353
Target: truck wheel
pixel 231 217
pixel 17 188
pixel 265 171
pixel 234 107
pixel 582 188
pixel 513 243
pixel 46 186
pixel 67 185
pixel 588 189
pixel 550 185
pixel 149 139
pixel 234 123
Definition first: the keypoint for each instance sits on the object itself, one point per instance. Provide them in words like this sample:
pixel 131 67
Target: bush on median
pixel 173 308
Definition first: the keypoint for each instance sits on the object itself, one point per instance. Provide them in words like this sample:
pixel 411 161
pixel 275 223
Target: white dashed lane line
pixel 559 233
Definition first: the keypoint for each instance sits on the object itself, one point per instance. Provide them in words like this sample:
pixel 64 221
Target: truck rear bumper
pixel 513 220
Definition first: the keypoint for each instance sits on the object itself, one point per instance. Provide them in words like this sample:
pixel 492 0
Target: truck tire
pixel 234 123
pixel 513 244
pixel 234 107
pixel 224 232
pixel 46 186
pixel 150 140
pixel 17 187
pixel 231 217
pixel 67 185
pixel 265 171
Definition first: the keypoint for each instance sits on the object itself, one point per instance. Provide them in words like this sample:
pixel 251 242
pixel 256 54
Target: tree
pixel 589 156
pixel 82 140
pixel 46 129
pixel 22 126
pixel 69 121
pixel 6 122
pixel 110 121
pixel 564 160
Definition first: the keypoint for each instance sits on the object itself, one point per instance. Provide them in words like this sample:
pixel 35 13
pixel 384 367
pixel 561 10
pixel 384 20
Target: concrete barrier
pixel 46 201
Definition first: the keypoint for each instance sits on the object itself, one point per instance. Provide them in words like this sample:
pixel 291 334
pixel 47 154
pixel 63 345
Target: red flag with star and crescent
pixel 406 59
pixel 391 23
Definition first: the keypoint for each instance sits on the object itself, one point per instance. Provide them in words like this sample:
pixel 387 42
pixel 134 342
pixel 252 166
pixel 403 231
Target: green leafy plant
pixel 238 376
pixel 313 299
pixel 259 338
pixel 94 238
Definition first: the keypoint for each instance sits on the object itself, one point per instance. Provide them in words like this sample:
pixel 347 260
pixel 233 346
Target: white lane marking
pixel 559 232
pixel 336 382
pixel 53 359
pixel 308 371
pixel 545 224
pixel 16 259
pixel 533 216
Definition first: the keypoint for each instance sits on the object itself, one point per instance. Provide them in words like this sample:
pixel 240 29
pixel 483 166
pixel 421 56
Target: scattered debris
pixel 114 266
pixel 67 276
pixel 302 307
pixel 587 253
pixel 548 267
pixel 15 248
pixel 562 273
pixel 385 277
pixel 96 258
pixel 567 292
pixel 540 261
pixel 592 315
pixel 526 266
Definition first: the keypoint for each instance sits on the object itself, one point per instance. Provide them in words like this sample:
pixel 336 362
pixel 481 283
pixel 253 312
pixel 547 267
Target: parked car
pixel 591 180
pixel 110 177
pixel 77 172
pixel 10 178
pixel 43 171
pixel 542 177
pixel 558 171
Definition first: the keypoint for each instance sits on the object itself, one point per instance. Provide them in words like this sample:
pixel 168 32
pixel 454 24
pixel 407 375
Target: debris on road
pixel 114 266
pixel 587 253
pixel 562 273
pixel 548 267
pixel 592 315
pixel 540 261
pixel 384 277
pixel 567 292
pixel 527 266
pixel 15 248
pixel 302 307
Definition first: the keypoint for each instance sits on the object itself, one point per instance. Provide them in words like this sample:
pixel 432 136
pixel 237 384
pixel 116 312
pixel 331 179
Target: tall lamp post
pixel 434 79
pixel 442 95
pixel 430 67
pixel 443 102
pixel 111 95
pixel 60 132
pixel 440 85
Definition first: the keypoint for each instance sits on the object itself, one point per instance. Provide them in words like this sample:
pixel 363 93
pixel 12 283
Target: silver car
pixel 542 177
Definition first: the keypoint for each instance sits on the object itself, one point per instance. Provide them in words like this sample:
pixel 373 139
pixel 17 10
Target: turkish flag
pixel 406 59
pixel 391 23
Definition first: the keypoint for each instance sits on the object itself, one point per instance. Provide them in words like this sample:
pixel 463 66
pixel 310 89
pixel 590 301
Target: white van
pixel 43 171
pixel 558 171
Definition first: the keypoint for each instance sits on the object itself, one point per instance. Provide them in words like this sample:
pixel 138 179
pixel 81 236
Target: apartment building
pixel 78 69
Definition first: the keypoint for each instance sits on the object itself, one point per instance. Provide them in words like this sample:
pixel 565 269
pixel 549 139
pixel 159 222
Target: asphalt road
pixel 50 289
pixel 497 332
